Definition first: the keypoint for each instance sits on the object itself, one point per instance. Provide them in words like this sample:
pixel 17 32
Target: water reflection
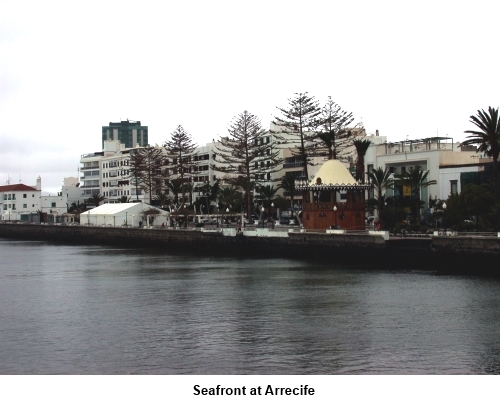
pixel 76 309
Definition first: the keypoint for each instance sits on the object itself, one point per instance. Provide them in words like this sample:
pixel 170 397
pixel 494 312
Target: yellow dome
pixel 333 172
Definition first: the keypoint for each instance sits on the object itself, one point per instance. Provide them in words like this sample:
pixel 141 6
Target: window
pixel 454 186
pixel 25 205
pixel 33 195
pixel 53 205
pixel 25 196
pixel 33 205
pixel 5 206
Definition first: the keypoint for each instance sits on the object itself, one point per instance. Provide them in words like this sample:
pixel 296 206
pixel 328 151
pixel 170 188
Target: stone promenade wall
pixel 297 244
pixel 476 247
pixel 309 245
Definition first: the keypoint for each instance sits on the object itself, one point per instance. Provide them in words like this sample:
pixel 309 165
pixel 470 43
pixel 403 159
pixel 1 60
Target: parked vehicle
pixel 284 220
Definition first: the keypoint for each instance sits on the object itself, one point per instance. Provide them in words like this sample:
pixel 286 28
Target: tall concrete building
pixel 129 133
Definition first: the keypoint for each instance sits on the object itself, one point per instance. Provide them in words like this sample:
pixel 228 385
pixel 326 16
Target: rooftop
pixel 17 187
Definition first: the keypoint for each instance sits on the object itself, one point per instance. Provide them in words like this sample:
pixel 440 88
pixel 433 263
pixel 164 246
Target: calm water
pixel 93 310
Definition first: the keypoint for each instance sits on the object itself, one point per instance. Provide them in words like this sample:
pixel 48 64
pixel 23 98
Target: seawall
pixel 307 245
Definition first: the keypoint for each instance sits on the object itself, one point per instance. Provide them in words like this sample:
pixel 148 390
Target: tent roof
pixel 333 172
pixel 113 209
pixel 333 175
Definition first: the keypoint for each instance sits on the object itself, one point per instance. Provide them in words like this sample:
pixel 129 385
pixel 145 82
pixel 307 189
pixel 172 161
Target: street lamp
pixel 335 211
pixel 444 223
pixel 262 217
pixel 227 212
pixel 272 209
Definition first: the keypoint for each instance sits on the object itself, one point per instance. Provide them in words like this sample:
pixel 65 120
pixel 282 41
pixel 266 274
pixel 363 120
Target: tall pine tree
pixel 146 170
pixel 298 122
pixel 180 148
pixel 247 154
pixel 333 134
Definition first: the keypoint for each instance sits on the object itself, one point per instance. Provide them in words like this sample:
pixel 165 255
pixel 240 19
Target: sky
pixel 408 69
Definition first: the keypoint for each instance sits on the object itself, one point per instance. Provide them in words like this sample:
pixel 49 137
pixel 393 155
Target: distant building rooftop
pixel 17 187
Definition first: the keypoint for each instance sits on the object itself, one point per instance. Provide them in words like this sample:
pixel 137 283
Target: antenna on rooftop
pixel 8 179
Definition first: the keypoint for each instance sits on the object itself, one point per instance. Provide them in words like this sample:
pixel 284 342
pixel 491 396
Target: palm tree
pixel 267 193
pixel 416 179
pixel 124 199
pixel 96 199
pixel 361 146
pixel 488 136
pixel 175 186
pixel 163 199
pixel 288 184
pixel 381 180
pixel 229 195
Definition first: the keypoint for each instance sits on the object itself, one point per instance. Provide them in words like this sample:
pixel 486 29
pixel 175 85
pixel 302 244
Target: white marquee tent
pixel 123 214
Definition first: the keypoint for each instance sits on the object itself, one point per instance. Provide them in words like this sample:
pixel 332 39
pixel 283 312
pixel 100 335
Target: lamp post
pixel 227 212
pixel 262 216
pixel 444 222
pixel 335 212
pixel 272 209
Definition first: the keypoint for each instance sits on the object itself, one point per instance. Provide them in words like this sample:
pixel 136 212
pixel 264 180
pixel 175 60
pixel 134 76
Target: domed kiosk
pixel 333 199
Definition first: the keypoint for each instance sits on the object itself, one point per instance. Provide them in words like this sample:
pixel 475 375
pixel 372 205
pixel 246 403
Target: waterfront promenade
pixel 279 242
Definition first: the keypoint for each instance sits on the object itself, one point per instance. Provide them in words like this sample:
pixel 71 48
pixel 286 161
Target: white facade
pixel 18 201
pixel 54 204
pixel 443 158
pixel 107 173
pixel 114 174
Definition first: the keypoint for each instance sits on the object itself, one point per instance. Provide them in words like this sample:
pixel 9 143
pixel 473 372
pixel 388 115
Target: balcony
pixel 93 167
pixel 292 165
pixel 89 155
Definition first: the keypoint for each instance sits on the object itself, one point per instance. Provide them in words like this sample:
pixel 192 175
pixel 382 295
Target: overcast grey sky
pixel 68 68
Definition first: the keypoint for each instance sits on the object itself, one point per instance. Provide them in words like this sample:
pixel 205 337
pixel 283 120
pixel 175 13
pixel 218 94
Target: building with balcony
pixel 444 158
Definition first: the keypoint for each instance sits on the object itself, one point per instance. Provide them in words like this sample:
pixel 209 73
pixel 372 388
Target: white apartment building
pixel 444 159
pixel 107 173
pixel 18 201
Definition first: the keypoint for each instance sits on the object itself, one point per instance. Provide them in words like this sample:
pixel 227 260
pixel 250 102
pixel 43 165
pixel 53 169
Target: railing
pixel 89 167
pixel 291 165
pixel 320 206
pixel 88 155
